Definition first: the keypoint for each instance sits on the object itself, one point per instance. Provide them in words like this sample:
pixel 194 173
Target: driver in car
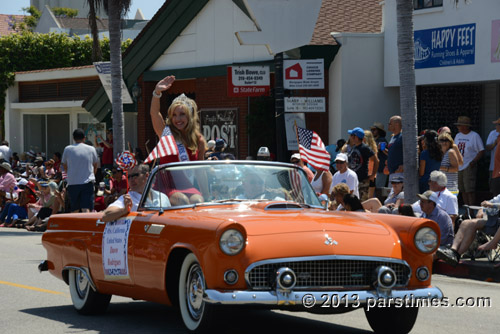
pixel 137 178
pixel 253 188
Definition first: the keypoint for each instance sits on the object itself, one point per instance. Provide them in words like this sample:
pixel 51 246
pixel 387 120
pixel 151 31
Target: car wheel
pixel 85 299
pixel 392 319
pixel 196 314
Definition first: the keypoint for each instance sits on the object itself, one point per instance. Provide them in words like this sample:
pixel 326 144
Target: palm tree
pixel 116 10
pixel 407 95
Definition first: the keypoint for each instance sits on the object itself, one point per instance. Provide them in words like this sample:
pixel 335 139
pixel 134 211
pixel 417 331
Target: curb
pixel 477 270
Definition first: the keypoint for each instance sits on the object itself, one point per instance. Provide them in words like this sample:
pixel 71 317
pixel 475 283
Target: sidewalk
pixel 481 269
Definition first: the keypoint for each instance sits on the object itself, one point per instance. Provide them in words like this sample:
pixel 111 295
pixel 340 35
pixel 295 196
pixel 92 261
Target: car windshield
pixel 207 183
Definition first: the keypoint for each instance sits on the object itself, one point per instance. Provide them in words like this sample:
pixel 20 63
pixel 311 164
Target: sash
pixel 183 156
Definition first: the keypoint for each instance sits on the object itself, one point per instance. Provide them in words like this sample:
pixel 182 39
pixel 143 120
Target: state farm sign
pixel 304 74
pixel 248 81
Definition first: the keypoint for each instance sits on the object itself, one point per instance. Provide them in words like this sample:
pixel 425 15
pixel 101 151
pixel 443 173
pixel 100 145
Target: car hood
pixel 259 219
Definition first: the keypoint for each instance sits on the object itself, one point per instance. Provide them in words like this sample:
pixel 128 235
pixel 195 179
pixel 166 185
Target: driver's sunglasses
pixel 131 176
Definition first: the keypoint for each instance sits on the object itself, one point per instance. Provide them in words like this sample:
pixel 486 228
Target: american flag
pixel 312 149
pixel 166 146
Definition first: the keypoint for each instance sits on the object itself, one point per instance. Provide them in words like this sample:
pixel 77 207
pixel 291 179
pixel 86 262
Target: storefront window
pixel 46 133
pixel 421 4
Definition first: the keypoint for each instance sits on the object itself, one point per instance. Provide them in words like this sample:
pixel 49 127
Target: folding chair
pixel 482 236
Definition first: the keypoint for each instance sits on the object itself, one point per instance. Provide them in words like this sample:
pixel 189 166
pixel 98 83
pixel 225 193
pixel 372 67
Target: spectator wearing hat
pixel 80 163
pixel 218 154
pixel 16 208
pixel 5 151
pixel 263 154
pixel 491 145
pixel 444 129
pixel 487 219
pixel 42 208
pixel 431 210
pixel 210 148
pixel 379 134
pixel 7 181
pixel 345 175
pixel 359 158
pixel 296 160
pixel 394 149
pixel 107 148
pixel 392 202
pixel 471 147
pixel 37 171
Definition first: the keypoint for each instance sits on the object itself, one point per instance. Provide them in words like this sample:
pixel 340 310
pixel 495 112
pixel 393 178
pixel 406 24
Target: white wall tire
pixel 85 299
pixel 196 314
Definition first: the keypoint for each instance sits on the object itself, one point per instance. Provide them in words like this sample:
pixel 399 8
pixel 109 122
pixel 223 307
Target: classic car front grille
pixel 336 273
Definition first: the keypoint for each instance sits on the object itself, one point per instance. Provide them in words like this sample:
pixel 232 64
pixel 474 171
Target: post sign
pixel 304 74
pixel 248 81
pixel 221 123
pixel 445 46
pixel 305 104
pixel 103 68
pixel 291 135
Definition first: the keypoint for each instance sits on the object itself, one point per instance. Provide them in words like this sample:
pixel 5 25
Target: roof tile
pixel 361 16
pixel 6 22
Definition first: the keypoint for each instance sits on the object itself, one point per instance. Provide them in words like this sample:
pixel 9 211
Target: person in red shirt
pixel 107 149
pixel 118 185
pixel 57 161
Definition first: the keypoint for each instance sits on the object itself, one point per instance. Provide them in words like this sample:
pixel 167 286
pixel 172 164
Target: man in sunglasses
pixel 137 178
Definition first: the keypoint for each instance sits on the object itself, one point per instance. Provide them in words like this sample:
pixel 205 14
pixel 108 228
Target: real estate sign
pixel 304 74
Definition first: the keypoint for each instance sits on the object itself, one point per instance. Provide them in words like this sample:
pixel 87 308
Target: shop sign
pixel 445 46
pixel 305 104
pixel 304 74
pixel 221 123
pixel 103 68
pixel 248 81
pixel 495 41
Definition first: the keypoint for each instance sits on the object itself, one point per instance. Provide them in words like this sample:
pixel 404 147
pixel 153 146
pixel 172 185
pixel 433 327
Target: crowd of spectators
pixel 368 164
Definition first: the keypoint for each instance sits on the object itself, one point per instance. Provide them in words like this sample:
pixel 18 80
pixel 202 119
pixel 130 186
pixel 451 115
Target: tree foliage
pixel 62 11
pixel 28 51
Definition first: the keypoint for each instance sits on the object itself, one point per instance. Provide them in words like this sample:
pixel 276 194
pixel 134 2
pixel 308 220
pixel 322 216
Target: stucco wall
pixel 210 40
pixel 357 93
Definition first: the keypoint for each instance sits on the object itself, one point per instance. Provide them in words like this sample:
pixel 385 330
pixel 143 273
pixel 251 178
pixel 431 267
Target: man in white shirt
pixel 137 178
pixel 345 175
pixel 5 151
pixel 471 147
pixel 491 145
pixel 445 199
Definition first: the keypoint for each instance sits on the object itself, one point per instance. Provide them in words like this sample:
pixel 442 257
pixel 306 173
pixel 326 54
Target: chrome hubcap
pixel 82 284
pixel 194 291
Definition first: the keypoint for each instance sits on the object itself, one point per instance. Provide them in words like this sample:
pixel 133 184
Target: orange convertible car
pixel 256 235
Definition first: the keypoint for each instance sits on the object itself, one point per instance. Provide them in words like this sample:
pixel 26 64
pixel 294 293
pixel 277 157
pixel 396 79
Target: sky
pixel 148 7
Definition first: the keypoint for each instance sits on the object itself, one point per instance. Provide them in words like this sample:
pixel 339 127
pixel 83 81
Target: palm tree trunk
pixel 407 91
pixel 96 47
pixel 114 13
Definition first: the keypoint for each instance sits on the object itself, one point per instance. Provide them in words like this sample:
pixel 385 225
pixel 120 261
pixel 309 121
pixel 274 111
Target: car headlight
pixel 231 242
pixel 426 240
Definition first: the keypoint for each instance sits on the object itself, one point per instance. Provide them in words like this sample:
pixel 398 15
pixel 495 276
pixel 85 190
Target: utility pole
pixel 279 108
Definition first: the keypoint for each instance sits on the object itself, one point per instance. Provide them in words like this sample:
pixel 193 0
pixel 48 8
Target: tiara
pixel 184 100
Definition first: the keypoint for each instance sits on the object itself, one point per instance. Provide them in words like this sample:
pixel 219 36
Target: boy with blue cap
pixel 359 157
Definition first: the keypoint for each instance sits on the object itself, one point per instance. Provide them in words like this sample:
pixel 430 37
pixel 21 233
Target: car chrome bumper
pixel 316 298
